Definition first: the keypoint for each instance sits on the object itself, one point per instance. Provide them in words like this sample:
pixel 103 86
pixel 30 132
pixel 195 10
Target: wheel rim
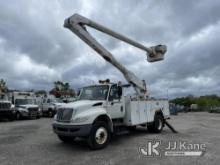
pixel 101 135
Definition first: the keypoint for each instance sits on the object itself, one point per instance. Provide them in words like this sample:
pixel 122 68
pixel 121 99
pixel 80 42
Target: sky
pixel 36 50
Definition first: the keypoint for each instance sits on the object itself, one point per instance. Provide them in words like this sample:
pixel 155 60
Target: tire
pixel 157 125
pixel 99 136
pixel 66 139
pixel 17 116
pixel 50 113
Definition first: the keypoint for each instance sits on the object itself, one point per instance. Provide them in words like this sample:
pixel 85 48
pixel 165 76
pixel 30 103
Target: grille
pixel 5 106
pixel 64 114
pixel 33 111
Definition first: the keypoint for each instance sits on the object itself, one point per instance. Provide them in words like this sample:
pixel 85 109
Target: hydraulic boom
pixel 77 24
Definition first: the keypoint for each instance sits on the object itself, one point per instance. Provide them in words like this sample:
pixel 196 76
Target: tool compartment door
pixel 143 111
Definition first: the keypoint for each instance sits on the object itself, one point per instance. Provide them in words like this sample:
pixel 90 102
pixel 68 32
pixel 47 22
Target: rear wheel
pixel 157 125
pixel 99 136
pixel 66 139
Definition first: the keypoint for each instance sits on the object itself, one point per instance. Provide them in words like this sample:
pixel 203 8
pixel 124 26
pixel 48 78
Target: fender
pixel 106 118
pixel 159 112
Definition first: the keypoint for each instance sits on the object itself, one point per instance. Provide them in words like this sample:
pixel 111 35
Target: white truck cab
pixel 49 106
pixel 6 108
pixel 25 105
pixel 103 109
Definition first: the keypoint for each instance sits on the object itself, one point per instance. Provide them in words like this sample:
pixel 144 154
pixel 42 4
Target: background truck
pixel 50 105
pixel 25 105
pixel 7 110
pixel 104 109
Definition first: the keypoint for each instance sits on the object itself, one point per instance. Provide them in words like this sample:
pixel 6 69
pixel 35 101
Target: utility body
pixel 104 109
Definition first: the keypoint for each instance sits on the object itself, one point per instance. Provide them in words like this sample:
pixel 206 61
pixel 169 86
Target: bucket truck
pixel 102 109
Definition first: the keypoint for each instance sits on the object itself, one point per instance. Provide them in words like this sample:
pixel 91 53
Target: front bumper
pixel 7 113
pixel 72 130
pixel 29 114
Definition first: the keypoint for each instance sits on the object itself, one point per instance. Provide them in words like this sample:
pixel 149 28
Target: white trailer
pixel 103 109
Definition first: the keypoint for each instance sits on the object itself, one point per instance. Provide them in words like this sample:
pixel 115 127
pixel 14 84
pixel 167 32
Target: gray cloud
pixel 36 50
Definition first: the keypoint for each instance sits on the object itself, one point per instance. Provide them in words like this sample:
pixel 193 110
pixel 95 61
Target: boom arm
pixel 76 23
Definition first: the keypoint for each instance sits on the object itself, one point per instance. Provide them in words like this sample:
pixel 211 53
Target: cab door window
pixel 114 94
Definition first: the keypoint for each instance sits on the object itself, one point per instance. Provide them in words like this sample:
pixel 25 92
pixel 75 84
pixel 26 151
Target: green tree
pixel 3 86
pixel 62 89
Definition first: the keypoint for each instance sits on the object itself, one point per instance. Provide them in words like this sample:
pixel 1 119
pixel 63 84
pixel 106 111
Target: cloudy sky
pixel 35 49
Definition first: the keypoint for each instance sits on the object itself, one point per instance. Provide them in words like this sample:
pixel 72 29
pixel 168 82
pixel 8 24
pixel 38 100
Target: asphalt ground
pixel 32 142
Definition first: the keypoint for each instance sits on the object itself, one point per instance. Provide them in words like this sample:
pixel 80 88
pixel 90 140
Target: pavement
pixel 32 142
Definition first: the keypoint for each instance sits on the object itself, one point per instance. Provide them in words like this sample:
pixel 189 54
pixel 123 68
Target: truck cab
pixel 6 108
pixel 103 109
pixel 25 105
pixel 50 105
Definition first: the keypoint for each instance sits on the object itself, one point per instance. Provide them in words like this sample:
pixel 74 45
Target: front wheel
pixel 17 116
pixel 50 113
pixel 157 125
pixel 99 136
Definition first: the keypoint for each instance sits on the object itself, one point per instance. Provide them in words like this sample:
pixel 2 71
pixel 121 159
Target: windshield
pixel 3 97
pixel 94 93
pixel 24 101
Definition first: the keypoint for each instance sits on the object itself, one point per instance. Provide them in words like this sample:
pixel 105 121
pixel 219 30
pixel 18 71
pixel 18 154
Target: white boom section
pixel 76 23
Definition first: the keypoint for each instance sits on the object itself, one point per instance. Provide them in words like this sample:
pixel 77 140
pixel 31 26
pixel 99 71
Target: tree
pixel 62 89
pixel 3 86
pixel 41 93
pixel 207 100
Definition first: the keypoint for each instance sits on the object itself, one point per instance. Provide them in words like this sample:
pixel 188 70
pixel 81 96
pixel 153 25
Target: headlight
pixel 12 106
pixel 80 119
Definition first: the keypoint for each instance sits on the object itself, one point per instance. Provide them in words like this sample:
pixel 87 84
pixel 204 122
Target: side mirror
pixel 78 93
pixel 119 91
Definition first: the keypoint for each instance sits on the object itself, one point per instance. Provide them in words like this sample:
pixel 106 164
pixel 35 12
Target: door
pixel 115 106
pixel 46 104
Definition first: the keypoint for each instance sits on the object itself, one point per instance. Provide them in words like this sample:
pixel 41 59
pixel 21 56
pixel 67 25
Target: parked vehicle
pixel 50 105
pixel 103 109
pixel 7 110
pixel 214 109
pixel 25 105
